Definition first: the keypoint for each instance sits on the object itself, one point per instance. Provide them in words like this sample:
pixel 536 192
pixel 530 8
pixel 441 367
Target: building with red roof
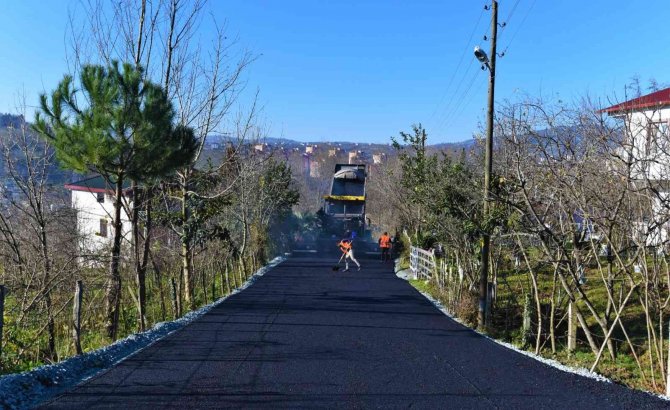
pixel 655 101
pixel 93 200
pixel 646 128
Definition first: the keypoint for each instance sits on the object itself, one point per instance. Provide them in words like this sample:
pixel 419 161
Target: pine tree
pixel 118 125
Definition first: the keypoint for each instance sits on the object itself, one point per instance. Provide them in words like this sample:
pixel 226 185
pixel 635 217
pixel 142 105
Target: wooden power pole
pixel 486 236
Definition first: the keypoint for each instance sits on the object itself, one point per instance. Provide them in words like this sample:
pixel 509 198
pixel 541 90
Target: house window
pixel 657 135
pixel 100 196
pixel 103 228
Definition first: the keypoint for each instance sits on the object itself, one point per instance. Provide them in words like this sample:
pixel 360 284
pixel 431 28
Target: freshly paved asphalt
pixel 304 336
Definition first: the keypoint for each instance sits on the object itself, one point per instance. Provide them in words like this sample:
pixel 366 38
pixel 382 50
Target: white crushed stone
pixel 27 389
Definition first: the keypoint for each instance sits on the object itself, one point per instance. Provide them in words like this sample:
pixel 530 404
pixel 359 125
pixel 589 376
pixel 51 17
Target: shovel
pixel 337 267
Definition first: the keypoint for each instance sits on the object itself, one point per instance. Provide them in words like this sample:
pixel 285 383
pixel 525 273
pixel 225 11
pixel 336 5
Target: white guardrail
pixel 422 262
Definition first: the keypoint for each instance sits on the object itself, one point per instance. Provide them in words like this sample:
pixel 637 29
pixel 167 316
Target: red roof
pixel 657 99
pixel 95 184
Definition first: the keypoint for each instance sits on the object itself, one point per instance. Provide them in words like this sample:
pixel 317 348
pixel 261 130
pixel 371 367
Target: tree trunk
pixel 2 320
pixel 243 270
pixel 76 317
pixel 146 251
pixel 538 311
pixel 552 316
pixel 227 283
pixel 161 292
pixel 578 263
pixel 51 330
pixel 175 300
pixel 140 264
pixel 113 291
pixel 243 248
pixel 203 282
pixel 610 286
pixel 140 273
pixel 233 274
pixel 51 326
pixel 186 261
pixel 585 328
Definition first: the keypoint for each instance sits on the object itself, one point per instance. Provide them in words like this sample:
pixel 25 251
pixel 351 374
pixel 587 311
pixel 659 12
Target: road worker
pixel 385 246
pixel 348 253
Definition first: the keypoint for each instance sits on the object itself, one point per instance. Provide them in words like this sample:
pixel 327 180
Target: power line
pixel 451 108
pixel 481 85
pixel 519 27
pixel 509 17
pixel 455 105
pixel 458 66
pixel 454 111
pixel 453 102
pixel 459 102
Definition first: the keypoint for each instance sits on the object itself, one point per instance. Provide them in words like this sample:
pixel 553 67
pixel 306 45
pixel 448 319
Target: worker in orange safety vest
pixel 385 246
pixel 348 253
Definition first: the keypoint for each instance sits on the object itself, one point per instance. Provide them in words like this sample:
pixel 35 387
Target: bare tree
pixel 203 81
pixel 32 227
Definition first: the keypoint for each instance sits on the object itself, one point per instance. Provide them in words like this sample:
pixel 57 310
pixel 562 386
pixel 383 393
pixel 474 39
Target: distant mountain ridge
pixel 289 143
pixel 10 120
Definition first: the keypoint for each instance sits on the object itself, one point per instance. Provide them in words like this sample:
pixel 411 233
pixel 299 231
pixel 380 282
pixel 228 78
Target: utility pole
pixel 486 235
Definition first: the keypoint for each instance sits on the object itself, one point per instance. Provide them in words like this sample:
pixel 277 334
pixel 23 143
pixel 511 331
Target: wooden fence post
pixel 224 280
pixel 76 316
pixel 527 324
pixel 175 303
pixel 572 328
pixel 2 317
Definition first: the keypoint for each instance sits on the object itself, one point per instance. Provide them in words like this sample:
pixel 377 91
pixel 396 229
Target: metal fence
pixel 422 262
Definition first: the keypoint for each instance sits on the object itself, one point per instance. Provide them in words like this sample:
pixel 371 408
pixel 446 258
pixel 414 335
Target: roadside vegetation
pixel 578 237
pixel 144 95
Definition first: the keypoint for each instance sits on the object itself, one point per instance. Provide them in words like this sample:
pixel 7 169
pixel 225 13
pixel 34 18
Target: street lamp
pixel 490 64
pixel 482 57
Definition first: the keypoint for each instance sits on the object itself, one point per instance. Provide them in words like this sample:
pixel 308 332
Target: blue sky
pixel 365 70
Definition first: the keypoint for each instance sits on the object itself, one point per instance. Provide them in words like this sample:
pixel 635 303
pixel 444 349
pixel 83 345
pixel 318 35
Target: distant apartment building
pixel 259 147
pixel 378 158
pixel 93 200
pixel 314 169
pixel 306 164
pixel 353 157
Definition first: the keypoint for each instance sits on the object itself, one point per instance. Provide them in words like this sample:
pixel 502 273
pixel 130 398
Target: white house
pixel 93 199
pixel 646 120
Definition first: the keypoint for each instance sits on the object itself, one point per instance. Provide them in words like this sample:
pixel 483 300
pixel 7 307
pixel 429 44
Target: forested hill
pixel 9 120
pixel 13 151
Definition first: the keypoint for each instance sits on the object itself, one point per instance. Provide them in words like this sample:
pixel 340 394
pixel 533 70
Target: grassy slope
pixel 509 309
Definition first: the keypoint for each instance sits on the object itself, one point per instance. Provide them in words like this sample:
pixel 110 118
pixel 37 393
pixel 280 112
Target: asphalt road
pixel 304 336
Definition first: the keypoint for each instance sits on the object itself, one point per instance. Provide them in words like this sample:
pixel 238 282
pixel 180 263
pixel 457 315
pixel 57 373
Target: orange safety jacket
pixel 345 246
pixel 385 241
